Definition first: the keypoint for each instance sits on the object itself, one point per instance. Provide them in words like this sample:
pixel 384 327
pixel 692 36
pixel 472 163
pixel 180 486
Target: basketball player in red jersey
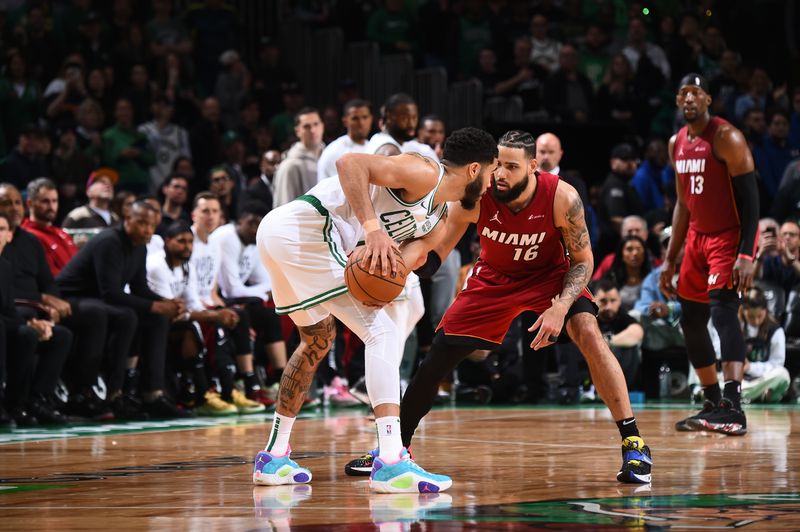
pixel 716 214
pixel 526 224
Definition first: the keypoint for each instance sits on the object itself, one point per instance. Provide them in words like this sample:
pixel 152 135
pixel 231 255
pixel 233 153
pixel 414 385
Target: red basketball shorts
pixel 488 305
pixel 707 263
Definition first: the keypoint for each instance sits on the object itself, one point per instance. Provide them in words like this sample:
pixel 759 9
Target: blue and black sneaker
pixel 636 461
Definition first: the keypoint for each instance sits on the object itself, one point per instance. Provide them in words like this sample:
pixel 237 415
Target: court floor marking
pixel 769 452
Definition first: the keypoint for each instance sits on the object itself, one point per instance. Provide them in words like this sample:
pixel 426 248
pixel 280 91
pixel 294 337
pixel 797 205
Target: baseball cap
pixel 230 137
pixel 104 171
pixel 624 151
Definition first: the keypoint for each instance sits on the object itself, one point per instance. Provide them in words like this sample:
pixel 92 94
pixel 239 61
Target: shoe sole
pixel 418 484
pixel 685 426
pixel 729 429
pixel 357 471
pixel 302 476
pixel 633 478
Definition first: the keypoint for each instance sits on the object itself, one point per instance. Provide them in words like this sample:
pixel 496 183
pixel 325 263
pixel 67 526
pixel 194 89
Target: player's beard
pixel 399 134
pixel 474 191
pixel 512 193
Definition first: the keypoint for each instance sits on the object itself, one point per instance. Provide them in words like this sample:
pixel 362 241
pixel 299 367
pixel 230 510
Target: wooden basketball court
pixel 540 468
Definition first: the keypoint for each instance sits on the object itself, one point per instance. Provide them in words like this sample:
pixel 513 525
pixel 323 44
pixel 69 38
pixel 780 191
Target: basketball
pixel 373 289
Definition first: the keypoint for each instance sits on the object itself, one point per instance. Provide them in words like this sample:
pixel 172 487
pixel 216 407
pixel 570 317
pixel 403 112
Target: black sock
pixel 627 427
pixel 251 381
pixel 712 393
pixel 733 393
pixel 277 374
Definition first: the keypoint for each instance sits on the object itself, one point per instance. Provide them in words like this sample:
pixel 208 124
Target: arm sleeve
pixel 108 263
pixel 158 277
pixel 191 295
pixel 777 355
pixel 230 284
pixel 745 191
pixel 259 277
pixel 325 164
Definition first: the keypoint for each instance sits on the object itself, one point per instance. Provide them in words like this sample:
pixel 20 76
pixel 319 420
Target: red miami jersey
pixel 527 243
pixel 707 185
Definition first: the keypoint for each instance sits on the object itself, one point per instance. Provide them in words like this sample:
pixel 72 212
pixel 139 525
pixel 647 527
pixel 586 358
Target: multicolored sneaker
pixel 245 405
pixel 277 501
pixel 686 425
pixel 361 466
pixel 724 419
pixel 271 470
pixel 405 476
pixel 636 461
pixel 337 394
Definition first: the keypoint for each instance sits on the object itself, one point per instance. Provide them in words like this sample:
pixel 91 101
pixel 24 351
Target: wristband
pixel 371 225
pixel 744 256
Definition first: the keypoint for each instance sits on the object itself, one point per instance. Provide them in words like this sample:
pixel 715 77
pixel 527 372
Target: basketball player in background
pixel 303 244
pixel 523 266
pixel 716 214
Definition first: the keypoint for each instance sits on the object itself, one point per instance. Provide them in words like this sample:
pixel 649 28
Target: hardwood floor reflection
pixel 512 466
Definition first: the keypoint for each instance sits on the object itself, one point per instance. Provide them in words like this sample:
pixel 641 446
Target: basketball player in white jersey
pixel 398 126
pixel 304 244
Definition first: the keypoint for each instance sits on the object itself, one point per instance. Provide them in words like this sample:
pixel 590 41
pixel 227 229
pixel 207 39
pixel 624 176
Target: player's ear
pixel 473 170
pixel 534 164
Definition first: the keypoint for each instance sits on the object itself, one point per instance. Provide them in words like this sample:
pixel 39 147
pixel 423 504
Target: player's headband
pixel 695 79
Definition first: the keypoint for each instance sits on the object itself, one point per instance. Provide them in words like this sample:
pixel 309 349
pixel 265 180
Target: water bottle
pixel 664 381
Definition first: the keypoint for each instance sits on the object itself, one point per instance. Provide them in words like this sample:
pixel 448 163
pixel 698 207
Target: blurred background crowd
pixel 198 118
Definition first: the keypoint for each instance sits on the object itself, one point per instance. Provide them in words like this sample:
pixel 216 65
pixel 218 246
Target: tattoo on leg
pixel 315 343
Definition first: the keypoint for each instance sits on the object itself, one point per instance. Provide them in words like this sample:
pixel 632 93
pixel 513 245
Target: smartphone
pixel 770 231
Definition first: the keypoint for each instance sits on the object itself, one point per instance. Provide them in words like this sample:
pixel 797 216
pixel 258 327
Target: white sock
pixel 389 442
pixel 278 442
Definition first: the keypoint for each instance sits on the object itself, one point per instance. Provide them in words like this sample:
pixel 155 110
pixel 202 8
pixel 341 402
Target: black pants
pixel 150 344
pixel 33 366
pixel 101 330
pixel 263 320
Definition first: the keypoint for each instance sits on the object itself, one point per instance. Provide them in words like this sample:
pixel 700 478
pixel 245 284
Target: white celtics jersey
pixel 401 220
pixel 381 139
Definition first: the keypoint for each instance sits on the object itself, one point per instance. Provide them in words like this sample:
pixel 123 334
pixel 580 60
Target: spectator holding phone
pixel 779 255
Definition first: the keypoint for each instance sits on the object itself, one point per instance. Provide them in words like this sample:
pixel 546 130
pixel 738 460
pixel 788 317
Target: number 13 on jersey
pixel 696 184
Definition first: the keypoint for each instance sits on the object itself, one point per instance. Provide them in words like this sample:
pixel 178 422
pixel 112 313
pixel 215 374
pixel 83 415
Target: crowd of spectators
pixel 134 137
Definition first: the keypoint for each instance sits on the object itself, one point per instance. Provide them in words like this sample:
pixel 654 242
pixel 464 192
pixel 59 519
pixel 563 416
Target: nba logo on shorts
pixel 712 279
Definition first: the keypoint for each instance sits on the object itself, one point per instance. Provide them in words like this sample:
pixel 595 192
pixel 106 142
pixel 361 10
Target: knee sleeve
pixel 724 315
pixel 694 321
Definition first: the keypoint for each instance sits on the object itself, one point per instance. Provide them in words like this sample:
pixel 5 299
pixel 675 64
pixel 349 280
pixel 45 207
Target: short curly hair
pixel 470 145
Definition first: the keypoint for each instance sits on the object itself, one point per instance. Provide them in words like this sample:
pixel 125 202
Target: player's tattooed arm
pixel 299 372
pixel 572 225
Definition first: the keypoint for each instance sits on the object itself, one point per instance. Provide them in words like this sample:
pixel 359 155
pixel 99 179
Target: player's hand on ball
pixel 380 249
pixel 743 271
pixel 549 325
pixel 665 279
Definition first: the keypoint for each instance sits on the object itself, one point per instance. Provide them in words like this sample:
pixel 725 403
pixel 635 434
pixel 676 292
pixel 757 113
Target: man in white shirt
pixel 298 171
pixel 429 140
pixel 357 118
pixel 244 281
pixel 204 266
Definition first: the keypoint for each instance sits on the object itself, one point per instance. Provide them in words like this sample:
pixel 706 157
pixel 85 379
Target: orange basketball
pixel 373 289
